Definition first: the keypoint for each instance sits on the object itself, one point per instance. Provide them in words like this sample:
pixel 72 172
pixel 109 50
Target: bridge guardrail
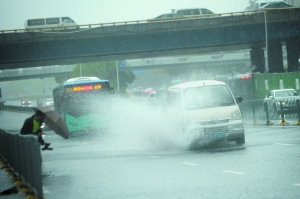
pixel 21 157
pixel 88 26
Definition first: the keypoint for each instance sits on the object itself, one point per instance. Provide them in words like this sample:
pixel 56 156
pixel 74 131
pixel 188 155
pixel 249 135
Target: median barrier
pixel 20 109
pixel 260 110
pixel 21 157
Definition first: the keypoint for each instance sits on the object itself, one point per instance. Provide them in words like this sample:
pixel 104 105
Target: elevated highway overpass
pixel 222 59
pixel 215 60
pixel 35 72
pixel 232 59
pixel 138 40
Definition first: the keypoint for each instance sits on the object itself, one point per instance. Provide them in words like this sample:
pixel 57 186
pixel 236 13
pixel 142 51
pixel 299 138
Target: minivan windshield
pixel 207 97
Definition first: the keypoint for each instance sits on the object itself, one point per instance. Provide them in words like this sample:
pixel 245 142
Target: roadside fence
pixel 21 157
pixel 20 109
pixel 281 109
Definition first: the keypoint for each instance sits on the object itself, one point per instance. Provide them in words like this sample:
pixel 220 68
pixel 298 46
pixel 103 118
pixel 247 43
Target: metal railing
pixel 88 26
pixel 280 109
pixel 22 157
pixel 19 109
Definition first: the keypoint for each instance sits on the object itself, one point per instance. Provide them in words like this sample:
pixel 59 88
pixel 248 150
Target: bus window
pixel 52 21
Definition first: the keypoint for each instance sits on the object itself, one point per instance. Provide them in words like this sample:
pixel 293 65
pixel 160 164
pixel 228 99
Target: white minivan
pixel 50 24
pixel 208 111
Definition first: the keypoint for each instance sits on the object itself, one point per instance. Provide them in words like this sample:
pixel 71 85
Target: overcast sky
pixel 14 12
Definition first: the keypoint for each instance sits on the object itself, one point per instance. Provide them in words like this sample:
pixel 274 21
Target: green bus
pixel 84 103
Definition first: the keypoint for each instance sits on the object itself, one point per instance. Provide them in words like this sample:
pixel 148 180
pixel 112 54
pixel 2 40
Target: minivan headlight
pixel 237 115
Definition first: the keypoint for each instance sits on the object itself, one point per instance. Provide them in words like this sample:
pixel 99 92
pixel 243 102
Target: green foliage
pixel 105 70
pixel 60 79
pixel 251 5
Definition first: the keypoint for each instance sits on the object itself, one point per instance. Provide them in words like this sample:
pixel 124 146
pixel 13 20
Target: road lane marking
pixel 45 190
pixel 234 172
pixel 189 163
pixel 296 185
pixel 284 144
pixel 153 156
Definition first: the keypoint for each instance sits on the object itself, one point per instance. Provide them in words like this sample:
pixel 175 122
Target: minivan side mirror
pixel 238 99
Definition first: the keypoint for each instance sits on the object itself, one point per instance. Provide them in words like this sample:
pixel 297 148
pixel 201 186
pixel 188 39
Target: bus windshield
pixel 79 104
pixel 84 103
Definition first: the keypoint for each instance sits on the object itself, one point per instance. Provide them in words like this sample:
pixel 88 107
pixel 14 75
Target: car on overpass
pixel 263 4
pixel 166 17
pixel 286 97
pixel 275 5
pixel 189 12
pixel 50 24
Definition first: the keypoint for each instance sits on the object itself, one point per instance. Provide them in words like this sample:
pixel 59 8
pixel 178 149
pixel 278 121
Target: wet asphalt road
pixel 144 161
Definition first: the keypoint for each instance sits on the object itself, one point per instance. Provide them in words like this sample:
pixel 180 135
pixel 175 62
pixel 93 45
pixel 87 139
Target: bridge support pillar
pixel 293 54
pixel 257 57
pixel 275 58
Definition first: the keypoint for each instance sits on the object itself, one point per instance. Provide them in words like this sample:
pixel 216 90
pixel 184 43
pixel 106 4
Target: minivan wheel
pixel 240 140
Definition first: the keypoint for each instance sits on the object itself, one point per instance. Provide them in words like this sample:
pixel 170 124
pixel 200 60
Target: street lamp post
pixel 80 70
pixel 266 31
pixel 117 69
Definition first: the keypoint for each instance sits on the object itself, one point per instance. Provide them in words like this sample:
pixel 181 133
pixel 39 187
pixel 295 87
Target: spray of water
pixel 139 126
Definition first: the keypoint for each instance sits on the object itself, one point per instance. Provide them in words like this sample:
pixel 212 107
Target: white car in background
pixel 48 102
pixel 288 98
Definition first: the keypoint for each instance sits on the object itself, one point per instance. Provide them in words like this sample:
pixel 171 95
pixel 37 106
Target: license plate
pixel 216 136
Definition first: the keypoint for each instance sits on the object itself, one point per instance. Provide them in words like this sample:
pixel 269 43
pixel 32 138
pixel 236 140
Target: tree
pixel 60 79
pixel 105 70
pixel 251 5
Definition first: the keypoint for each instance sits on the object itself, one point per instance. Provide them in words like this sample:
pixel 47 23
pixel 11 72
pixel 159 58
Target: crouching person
pixel 32 125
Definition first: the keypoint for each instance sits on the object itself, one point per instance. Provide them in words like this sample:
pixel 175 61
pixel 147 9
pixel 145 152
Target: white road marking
pixel 45 190
pixel 153 156
pixel 296 185
pixel 190 164
pixel 234 172
pixel 284 144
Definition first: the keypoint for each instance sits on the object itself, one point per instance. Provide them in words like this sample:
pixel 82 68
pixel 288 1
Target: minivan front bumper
pixel 204 134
